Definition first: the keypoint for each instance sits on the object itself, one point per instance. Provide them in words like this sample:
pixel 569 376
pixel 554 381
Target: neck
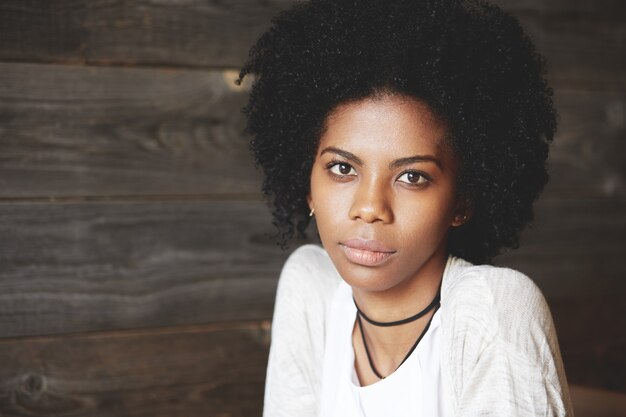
pixel 406 299
pixel 389 345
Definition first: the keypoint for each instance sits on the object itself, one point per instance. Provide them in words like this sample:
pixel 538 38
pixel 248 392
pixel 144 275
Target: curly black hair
pixel 467 59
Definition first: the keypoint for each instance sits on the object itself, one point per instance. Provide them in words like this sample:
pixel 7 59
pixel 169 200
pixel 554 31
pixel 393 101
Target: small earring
pixel 312 212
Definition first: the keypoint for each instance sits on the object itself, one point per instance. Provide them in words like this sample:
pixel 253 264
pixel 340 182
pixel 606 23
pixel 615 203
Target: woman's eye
pixel 342 169
pixel 413 178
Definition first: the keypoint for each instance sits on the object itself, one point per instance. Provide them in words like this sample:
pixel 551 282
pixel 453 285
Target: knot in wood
pixel 33 384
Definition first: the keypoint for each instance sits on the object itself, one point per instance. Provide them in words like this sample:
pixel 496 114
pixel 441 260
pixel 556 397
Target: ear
pixel 463 212
pixel 309 201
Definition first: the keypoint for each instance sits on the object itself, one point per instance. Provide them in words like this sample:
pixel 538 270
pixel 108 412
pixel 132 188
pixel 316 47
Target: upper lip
pixel 369 245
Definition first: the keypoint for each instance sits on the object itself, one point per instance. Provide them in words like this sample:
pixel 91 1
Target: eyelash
pixel 426 178
pixel 334 163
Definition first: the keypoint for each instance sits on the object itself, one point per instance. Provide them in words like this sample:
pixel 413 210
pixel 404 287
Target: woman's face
pixel 384 192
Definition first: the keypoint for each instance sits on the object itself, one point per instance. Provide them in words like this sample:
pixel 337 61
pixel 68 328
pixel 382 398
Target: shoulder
pixel 308 280
pixel 309 269
pixel 500 340
pixel 309 258
pixel 463 274
pixel 506 293
pixel 305 288
pixel 495 302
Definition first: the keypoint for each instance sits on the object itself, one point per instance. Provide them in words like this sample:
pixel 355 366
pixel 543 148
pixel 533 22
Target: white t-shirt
pixel 415 389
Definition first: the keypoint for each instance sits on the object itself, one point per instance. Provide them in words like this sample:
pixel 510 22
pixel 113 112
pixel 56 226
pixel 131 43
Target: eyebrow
pixel 416 158
pixel 394 164
pixel 348 155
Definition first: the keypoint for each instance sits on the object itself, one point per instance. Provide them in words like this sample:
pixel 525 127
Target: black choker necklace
pixel 403 321
pixel 434 304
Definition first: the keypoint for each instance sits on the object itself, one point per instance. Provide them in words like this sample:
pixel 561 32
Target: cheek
pixel 332 208
pixel 424 217
pixel 327 202
pixel 316 190
pixel 329 198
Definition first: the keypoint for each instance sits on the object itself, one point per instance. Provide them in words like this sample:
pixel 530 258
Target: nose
pixel 371 203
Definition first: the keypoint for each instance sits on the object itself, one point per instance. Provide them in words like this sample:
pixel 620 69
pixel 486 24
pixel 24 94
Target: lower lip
pixel 365 257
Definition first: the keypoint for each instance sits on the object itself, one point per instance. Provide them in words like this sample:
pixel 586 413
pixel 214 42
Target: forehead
pixel 394 124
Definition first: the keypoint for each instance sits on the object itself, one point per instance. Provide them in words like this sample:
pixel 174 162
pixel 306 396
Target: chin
pixel 370 279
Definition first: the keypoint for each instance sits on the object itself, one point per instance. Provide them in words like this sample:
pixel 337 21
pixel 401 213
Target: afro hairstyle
pixel 469 61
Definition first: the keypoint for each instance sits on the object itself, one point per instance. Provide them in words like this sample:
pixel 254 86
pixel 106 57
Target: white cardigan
pixel 500 355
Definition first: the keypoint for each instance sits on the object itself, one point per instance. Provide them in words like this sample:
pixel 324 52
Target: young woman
pixel 415 133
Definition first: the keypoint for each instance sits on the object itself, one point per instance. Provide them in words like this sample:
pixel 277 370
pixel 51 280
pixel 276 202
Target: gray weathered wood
pixel 199 33
pixel 78 267
pixel 574 248
pixel 72 267
pixel 75 131
pixel 171 372
pixel 207 33
pixel 78 131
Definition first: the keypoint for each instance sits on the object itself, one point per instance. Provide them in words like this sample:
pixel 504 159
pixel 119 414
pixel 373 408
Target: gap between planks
pixel 253 325
pixel 161 198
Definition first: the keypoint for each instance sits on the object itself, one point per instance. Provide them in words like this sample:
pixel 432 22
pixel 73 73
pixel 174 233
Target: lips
pixel 366 252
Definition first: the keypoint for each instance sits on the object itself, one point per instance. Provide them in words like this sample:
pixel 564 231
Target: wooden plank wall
pixel 136 272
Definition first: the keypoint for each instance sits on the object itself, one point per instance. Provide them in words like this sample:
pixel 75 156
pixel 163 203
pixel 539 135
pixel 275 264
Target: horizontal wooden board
pixel 575 248
pixel 174 372
pixel 78 131
pixel 90 266
pixel 93 132
pixel 93 266
pixel 583 41
pixel 166 33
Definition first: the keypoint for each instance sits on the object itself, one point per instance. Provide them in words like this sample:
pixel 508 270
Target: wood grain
pixel 96 266
pixel 91 266
pixel 89 132
pixel 77 131
pixel 582 51
pixel 198 33
pixel 575 248
pixel 182 371
pixel 194 33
